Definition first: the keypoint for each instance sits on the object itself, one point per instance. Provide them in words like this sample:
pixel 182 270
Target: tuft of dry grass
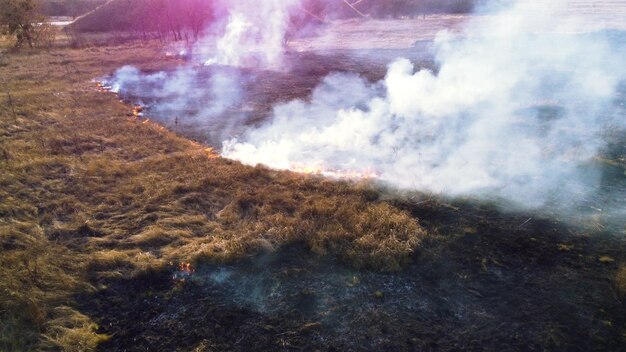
pixel 620 281
pixel 36 276
pixel 72 331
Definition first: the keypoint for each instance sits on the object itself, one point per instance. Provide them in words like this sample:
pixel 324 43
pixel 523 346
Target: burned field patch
pixel 490 281
pixel 213 103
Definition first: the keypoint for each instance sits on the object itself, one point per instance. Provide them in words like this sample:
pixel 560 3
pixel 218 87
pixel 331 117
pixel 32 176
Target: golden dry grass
pixel 620 281
pixel 87 193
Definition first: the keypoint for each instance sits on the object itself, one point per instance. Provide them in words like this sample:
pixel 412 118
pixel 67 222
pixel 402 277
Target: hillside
pixel 194 15
pixel 178 18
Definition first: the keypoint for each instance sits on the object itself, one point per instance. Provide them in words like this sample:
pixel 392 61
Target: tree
pixel 198 13
pixel 19 18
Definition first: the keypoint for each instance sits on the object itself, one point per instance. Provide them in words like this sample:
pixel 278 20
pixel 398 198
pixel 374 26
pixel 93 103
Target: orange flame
pixel 186 268
pixel 137 110
pixel 211 153
pixel 334 173
pixel 102 88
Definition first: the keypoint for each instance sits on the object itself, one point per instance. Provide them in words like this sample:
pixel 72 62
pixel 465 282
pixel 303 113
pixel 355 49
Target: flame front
pixel 137 110
pixel 333 173
pixel 184 272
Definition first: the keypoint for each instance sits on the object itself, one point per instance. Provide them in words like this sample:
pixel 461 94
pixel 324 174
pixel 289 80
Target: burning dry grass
pixel 89 194
pixel 219 210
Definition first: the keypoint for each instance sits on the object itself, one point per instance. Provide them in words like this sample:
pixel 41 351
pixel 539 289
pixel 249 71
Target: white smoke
pixel 253 36
pixel 517 109
pixel 250 35
pixel 185 96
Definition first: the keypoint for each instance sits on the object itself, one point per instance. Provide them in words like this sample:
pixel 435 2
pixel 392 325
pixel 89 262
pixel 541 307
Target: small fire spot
pixel 184 272
pixel 137 111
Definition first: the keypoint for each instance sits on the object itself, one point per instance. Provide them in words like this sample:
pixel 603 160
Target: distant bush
pixel 22 20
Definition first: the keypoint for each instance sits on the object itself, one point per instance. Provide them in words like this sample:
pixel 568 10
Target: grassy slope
pixel 87 193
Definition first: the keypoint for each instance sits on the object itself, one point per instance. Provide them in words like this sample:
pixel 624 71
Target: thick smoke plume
pixel 253 34
pixel 518 109
pixel 245 34
pixel 521 104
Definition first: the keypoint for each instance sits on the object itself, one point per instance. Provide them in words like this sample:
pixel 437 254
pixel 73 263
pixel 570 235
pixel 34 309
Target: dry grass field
pixel 99 208
pixel 88 192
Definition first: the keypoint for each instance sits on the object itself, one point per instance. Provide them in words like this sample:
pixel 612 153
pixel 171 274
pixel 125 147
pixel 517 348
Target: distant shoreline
pixel 60 21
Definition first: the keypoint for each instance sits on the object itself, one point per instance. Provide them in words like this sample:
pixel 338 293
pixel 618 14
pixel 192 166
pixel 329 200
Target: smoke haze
pixel 518 109
pixel 522 103
pixel 185 96
pixel 253 34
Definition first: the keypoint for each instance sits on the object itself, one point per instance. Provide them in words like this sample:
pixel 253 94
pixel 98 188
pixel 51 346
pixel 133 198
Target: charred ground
pixel 485 282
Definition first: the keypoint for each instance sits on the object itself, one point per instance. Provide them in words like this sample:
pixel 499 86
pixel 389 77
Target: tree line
pixel 186 19
pixel 163 19
pixel 23 20
pixel 177 17
pixel 385 8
